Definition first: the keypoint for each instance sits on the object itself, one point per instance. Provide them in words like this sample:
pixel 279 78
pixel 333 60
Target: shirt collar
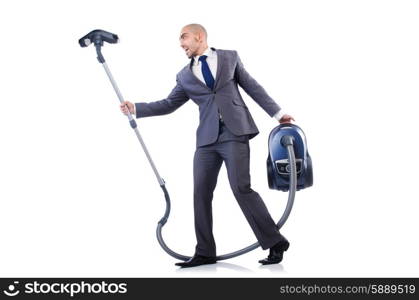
pixel 208 52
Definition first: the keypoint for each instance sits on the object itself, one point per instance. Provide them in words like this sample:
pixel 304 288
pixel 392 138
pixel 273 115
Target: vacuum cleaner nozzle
pixel 97 37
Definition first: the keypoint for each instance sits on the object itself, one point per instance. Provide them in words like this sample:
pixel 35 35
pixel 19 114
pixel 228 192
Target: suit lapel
pixel 220 58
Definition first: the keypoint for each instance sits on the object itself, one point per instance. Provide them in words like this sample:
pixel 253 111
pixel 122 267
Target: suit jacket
pixel 225 99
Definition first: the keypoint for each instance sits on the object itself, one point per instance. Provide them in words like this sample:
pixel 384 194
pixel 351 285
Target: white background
pixel 78 197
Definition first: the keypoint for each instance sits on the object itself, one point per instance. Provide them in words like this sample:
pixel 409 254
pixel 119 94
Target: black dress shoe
pixel 276 253
pixel 197 260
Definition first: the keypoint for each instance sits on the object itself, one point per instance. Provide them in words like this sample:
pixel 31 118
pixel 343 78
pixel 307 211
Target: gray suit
pixel 219 141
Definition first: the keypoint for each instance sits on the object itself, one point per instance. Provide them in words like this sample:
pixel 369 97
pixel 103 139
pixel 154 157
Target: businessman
pixel 211 80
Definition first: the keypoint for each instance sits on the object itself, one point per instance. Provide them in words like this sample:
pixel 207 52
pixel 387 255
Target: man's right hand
pixel 125 106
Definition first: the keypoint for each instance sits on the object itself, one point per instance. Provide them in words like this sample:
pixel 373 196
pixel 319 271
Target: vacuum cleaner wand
pixel 98 37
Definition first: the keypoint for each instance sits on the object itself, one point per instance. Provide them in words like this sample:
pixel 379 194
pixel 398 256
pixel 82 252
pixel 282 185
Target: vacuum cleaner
pixel 289 165
pixel 277 164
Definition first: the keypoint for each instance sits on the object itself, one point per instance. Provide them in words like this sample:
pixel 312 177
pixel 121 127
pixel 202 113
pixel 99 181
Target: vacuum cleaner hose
pixel 291 196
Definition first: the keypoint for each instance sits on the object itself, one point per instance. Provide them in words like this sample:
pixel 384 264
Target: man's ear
pixel 200 37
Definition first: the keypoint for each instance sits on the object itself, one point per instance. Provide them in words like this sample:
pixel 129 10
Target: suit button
pixel 215 93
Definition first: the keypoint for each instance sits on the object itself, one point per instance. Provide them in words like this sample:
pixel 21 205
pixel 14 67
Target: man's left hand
pixel 286 119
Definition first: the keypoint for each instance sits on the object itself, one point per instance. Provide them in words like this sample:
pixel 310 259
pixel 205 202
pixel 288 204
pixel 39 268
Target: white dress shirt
pixel 212 64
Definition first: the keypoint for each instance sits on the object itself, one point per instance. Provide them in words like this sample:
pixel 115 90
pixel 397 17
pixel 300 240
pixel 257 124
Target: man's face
pixel 190 42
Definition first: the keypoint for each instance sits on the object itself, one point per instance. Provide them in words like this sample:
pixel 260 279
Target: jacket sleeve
pixel 255 90
pixel 176 98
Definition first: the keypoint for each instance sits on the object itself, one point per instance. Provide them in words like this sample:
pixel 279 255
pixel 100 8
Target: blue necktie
pixel 209 79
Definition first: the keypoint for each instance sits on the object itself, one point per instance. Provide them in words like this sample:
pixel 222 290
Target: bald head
pixel 193 39
pixel 197 29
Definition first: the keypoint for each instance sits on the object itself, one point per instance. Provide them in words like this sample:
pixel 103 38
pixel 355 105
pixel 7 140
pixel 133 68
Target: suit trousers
pixel 234 151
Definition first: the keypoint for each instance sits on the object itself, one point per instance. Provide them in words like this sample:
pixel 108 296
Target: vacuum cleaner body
pixel 277 163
